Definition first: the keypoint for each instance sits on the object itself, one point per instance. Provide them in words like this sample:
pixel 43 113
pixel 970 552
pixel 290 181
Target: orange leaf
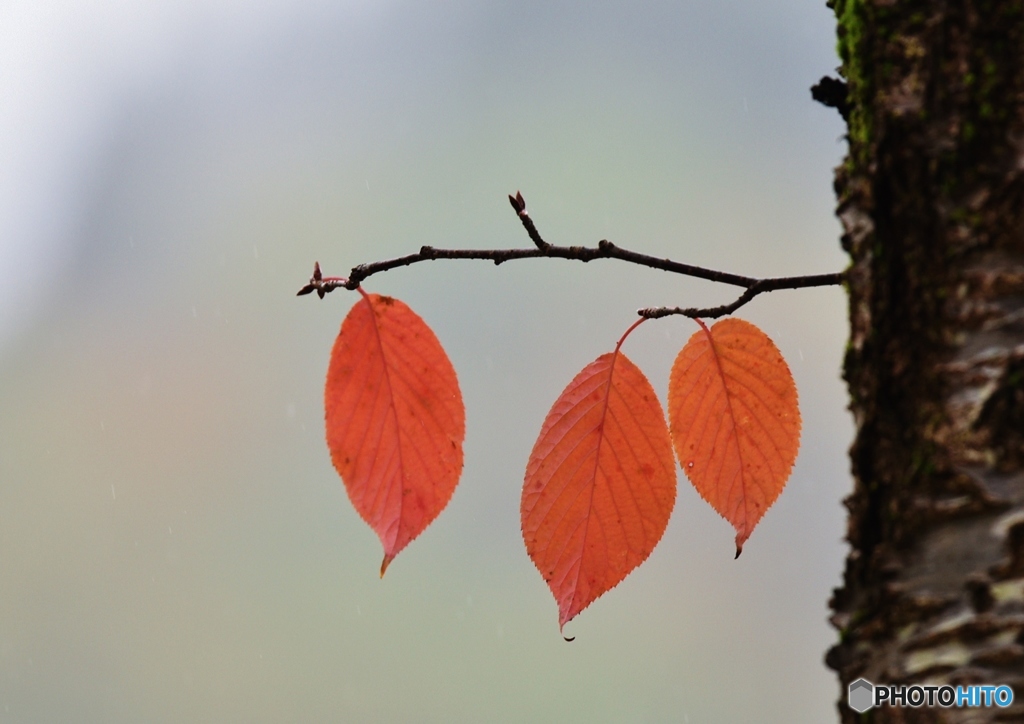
pixel 735 420
pixel 600 483
pixel 395 420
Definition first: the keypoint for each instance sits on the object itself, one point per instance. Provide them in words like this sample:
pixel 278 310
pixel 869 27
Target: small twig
pixel 604 250
pixel 759 287
pixel 519 204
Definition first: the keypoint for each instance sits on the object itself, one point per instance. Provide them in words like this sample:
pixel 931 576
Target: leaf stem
pixel 604 250
pixel 625 334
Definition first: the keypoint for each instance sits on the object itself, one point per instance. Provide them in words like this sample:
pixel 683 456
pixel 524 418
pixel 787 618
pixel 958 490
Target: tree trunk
pixel 931 197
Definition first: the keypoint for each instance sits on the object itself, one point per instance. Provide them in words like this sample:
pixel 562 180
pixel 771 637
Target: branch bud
pixel 517 202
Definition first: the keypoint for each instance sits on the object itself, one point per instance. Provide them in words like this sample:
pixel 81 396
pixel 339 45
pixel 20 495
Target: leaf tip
pixel 387 562
pixel 741 538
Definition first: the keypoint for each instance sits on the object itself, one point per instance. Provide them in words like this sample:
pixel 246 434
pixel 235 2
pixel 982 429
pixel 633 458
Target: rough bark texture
pixel 931 197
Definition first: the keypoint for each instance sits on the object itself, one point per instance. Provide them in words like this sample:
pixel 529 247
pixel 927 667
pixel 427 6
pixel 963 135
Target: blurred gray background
pixel 174 543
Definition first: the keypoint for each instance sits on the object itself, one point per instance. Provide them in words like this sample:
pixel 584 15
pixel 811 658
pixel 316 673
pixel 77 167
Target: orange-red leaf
pixel 600 483
pixel 735 420
pixel 395 420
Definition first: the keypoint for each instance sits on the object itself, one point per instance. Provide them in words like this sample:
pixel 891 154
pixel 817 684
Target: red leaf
pixel 395 420
pixel 735 420
pixel 600 483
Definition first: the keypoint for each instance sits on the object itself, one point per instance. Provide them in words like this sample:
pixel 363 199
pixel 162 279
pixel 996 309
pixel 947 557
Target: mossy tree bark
pixel 931 197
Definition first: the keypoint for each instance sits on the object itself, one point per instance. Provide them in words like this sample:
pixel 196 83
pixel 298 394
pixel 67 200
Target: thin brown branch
pixel 758 287
pixel 604 250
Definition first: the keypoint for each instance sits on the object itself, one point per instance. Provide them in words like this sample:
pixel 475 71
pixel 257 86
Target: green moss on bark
pixel 931 196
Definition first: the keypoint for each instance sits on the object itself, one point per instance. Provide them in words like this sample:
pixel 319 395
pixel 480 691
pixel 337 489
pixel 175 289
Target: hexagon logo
pixel 861 695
